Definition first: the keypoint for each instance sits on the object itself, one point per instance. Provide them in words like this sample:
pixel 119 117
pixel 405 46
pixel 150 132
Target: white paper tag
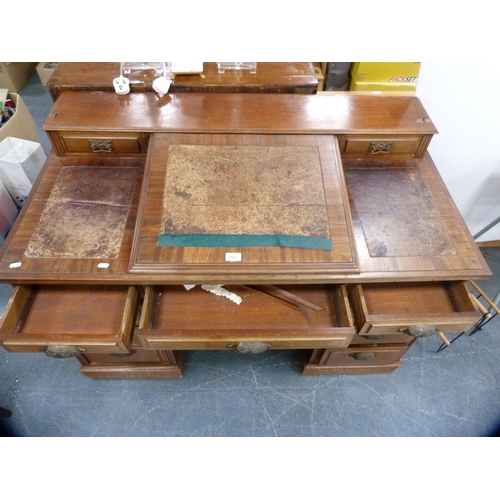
pixel 233 257
pixel 15 264
pixel 103 265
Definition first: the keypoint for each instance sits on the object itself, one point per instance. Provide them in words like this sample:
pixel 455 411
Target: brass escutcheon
pixel 123 354
pixel 100 146
pixel 380 147
pixel 62 351
pixel 363 356
pixel 250 347
pixel 419 330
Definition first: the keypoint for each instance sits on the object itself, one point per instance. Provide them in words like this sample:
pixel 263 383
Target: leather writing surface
pixel 398 214
pixel 244 196
pixel 85 215
pixel 273 182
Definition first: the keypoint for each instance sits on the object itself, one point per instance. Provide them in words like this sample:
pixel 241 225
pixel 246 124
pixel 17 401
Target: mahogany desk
pixel 271 77
pixel 91 280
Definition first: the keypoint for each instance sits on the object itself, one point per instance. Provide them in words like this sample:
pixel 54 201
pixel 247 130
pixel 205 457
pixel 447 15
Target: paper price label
pixel 233 257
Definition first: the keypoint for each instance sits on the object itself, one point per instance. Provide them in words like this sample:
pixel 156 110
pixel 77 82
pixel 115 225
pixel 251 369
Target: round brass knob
pixel 123 354
pixel 62 351
pixel 419 330
pixel 424 331
pixel 374 337
pixel 250 347
pixel 363 356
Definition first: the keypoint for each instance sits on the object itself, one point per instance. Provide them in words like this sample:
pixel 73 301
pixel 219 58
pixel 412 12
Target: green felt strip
pixel 243 240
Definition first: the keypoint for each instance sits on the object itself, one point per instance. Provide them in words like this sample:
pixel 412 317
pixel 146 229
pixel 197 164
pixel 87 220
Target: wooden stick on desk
pixel 294 297
pixel 281 300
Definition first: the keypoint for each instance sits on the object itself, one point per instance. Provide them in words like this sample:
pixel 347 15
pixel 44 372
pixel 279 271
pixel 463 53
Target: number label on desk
pixel 233 257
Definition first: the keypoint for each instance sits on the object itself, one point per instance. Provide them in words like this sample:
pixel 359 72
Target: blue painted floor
pixel 452 393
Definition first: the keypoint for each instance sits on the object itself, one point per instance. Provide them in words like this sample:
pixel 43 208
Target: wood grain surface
pixel 271 77
pixel 148 257
pixel 239 113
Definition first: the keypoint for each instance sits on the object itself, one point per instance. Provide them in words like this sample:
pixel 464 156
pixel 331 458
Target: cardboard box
pixel 13 75
pixel 321 78
pixel 8 212
pixel 45 71
pixel 385 72
pixel 21 125
pixel 19 176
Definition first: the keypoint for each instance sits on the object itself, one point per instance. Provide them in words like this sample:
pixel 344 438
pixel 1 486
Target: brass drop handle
pixel 62 351
pixel 380 147
pixel 124 354
pixel 424 331
pixel 363 356
pixel 374 337
pixel 100 146
pixel 249 347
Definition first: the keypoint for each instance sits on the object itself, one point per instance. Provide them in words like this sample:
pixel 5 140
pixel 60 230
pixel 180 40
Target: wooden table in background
pixel 270 78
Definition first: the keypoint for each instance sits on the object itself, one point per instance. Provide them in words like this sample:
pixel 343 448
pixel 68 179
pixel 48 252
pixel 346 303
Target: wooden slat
pixel 239 113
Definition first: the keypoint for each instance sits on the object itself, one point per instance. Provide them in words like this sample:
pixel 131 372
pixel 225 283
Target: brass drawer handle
pixel 363 356
pixel 374 337
pixel 424 331
pixel 380 147
pixel 250 347
pixel 124 354
pixel 62 351
pixel 101 146
pixel 419 330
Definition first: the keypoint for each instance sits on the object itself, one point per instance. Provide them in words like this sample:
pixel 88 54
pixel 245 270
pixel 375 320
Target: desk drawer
pixel 362 356
pixel 398 146
pixel 127 144
pixel 174 318
pixel 417 309
pixel 65 321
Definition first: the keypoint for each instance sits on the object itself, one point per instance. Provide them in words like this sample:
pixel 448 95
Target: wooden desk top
pixel 271 77
pixel 387 255
pixel 416 234
pixel 240 113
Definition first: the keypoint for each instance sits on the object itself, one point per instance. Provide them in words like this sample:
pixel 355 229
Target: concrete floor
pixel 452 393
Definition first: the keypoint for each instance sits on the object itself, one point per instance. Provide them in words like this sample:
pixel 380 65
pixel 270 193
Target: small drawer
pixel 415 309
pixel 268 317
pixel 128 144
pixel 362 356
pixel 400 146
pixel 65 321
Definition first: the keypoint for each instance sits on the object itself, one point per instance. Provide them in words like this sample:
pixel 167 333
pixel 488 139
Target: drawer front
pixel 140 363
pixel 413 309
pixel 404 146
pixel 98 144
pixel 381 339
pixel 174 318
pixel 66 321
pixel 362 356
